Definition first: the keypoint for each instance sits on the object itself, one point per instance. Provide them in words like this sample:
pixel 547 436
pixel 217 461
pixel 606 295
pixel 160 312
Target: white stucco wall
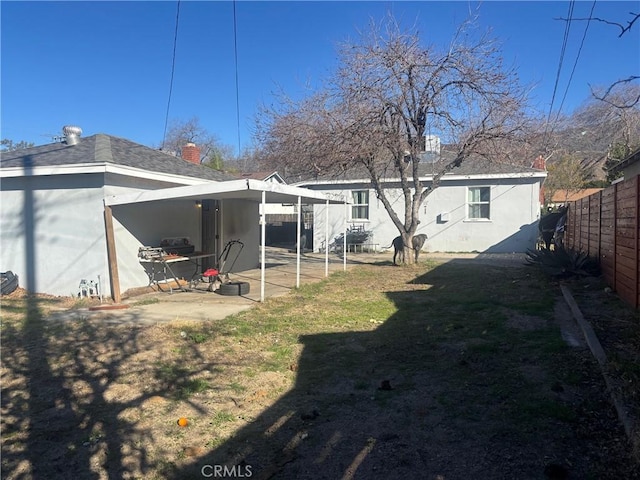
pixel 52 231
pixel 146 224
pixel 511 228
pixel 241 221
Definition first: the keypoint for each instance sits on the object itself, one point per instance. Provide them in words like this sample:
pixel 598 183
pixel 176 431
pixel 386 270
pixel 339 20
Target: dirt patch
pixel 618 330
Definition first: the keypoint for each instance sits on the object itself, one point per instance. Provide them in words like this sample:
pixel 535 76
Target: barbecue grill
pixel 177 245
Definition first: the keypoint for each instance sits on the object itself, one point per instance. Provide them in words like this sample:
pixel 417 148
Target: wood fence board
pixel 623 281
pixel 607 226
pixel 627 212
pixel 607 247
pixel 625 233
pixel 625 266
pixel 626 293
pixel 626 224
pixel 628 184
pixel 626 243
pixel 624 254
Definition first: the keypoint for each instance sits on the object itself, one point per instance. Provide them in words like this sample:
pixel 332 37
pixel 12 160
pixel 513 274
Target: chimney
pixel 540 163
pixel 191 153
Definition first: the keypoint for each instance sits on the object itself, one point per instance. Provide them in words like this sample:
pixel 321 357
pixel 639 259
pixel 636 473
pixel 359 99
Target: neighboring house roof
pixel 561 196
pixel 630 160
pixel 477 166
pixel 266 176
pixel 431 164
pixel 107 149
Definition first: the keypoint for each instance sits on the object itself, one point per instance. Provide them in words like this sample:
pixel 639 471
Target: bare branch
pixel 603 97
pixel 623 28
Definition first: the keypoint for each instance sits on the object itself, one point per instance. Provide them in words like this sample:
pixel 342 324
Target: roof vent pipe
pixel 71 134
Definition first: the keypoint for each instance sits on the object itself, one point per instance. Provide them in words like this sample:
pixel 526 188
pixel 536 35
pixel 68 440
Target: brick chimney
pixel 540 163
pixel 191 153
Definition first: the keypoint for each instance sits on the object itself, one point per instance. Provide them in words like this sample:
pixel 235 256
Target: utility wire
pixel 567 28
pixel 235 51
pixel 584 35
pixel 173 67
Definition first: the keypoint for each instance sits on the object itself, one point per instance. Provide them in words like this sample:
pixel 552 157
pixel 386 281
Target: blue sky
pixel 106 66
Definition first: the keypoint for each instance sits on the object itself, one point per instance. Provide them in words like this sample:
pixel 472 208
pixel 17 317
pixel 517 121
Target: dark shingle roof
pixel 429 166
pixel 101 148
pixel 477 166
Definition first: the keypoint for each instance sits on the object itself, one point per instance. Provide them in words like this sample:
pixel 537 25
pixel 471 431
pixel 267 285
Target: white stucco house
pixel 81 208
pixel 480 206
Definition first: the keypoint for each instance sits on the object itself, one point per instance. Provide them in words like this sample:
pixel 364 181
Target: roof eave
pixel 244 189
pixel 84 168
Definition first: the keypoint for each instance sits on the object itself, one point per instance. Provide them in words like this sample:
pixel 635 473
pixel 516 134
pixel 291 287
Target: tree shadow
pixel 456 384
pixel 67 407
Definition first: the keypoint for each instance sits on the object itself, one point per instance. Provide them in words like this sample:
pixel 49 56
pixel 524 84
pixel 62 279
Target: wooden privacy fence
pixel 605 225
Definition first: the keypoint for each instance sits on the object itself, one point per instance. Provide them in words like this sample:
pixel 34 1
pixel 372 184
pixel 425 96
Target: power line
pixel 567 28
pixel 173 67
pixel 235 51
pixel 584 35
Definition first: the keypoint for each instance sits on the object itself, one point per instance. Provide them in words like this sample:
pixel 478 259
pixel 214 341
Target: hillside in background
pixel 596 127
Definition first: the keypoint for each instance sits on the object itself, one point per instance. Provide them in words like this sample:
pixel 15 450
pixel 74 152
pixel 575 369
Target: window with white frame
pixel 479 203
pixel 360 207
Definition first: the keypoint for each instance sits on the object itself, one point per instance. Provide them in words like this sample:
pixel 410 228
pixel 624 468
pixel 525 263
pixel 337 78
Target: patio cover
pixel 244 189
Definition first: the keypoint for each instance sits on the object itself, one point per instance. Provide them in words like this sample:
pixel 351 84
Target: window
pixel 479 201
pixel 360 207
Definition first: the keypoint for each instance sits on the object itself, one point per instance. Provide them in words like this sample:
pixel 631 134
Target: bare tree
pixel 387 94
pixel 213 153
pixel 8 145
pixel 614 123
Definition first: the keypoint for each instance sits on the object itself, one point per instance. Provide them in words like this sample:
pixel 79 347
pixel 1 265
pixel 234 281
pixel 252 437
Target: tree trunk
pixel 409 252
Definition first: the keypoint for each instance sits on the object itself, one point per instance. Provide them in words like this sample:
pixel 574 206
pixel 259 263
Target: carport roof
pixel 244 189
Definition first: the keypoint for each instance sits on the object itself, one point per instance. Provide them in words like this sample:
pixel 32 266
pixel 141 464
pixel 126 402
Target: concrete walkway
pixel 199 305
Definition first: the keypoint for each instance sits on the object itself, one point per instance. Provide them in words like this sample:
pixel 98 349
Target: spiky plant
pixel 563 263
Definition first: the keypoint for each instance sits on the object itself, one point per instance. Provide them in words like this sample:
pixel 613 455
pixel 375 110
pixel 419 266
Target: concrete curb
pixel 601 357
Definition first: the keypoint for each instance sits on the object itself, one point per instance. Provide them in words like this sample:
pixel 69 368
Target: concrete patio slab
pixel 280 278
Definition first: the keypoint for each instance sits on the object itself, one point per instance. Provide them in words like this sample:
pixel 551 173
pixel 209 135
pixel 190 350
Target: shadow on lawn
pixel 458 383
pixel 64 414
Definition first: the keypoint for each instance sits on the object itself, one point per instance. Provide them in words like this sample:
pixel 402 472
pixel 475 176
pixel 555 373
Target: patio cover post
pixel 298 243
pixel 326 239
pixel 344 247
pixel 112 258
pixel 262 253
